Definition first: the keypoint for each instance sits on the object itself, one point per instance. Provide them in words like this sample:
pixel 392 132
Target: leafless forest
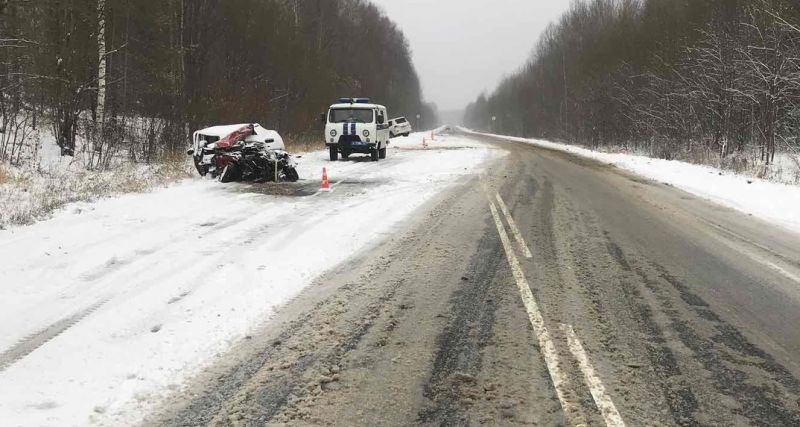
pixel 711 81
pixel 132 78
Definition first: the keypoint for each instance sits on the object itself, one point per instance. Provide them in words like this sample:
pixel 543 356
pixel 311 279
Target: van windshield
pixel 351 115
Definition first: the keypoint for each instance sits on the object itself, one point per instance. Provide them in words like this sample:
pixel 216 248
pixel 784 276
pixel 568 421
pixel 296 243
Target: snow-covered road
pixel 109 306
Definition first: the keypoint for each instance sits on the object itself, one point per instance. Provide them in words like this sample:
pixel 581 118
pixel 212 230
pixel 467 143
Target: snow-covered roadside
pixel 48 181
pixel 773 202
pixel 108 306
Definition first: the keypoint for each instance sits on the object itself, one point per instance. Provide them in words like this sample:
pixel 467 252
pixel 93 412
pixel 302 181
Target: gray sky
pixel 463 47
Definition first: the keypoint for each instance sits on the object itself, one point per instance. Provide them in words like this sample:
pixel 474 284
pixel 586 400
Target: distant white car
pixel 399 126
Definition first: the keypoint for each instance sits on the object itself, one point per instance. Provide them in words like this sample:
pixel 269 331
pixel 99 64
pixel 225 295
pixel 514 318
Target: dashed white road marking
pixel 548 348
pixel 572 411
pixel 513 226
pixel 601 399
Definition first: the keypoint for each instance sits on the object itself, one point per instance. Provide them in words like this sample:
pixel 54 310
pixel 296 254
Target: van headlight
pixel 333 132
pixel 366 133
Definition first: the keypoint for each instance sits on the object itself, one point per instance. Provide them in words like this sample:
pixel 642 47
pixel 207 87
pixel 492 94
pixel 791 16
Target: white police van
pixel 356 125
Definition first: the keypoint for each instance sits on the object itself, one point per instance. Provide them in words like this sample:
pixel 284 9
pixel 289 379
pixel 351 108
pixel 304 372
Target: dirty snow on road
pixel 109 306
pixel 770 201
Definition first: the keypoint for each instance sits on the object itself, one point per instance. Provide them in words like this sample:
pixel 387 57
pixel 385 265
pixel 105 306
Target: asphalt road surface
pixel 552 290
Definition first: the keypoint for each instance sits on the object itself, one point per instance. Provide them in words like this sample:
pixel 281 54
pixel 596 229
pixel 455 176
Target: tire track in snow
pixel 35 340
pixel 30 343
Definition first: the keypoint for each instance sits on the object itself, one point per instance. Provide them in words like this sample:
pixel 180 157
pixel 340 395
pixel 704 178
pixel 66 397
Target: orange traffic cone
pixel 326 185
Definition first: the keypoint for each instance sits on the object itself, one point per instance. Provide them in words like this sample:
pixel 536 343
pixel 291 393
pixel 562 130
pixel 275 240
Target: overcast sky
pixel 463 47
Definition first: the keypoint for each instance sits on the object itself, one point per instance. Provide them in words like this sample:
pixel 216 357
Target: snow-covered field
pixel 108 306
pixel 773 202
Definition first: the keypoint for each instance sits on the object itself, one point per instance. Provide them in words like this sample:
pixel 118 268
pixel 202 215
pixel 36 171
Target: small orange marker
pixel 326 185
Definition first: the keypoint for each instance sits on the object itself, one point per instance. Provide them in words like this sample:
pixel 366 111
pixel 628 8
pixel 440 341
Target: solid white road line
pixel 548 349
pixel 729 242
pixel 778 269
pixel 601 399
pixel 513 226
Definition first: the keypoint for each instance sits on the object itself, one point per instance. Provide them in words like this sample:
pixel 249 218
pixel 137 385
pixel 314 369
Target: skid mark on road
pixel 39 338
pixel 734 366
pixel 459 358
pixel 678 394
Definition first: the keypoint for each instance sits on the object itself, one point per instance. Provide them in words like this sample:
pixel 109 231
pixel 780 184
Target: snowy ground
pixel 777 203
pixel 45 181
pixel 108 306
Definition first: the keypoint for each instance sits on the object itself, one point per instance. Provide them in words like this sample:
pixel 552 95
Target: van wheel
pixel 374 155
pixel 334 151
pixel 382 153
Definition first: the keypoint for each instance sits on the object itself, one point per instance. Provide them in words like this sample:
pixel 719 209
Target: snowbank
pixel 110 305
pixel 773 202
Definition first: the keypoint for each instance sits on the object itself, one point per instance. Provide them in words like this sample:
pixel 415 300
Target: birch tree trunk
pixel 101 67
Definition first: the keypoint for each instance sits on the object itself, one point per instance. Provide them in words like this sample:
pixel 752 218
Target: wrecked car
pixel 245 152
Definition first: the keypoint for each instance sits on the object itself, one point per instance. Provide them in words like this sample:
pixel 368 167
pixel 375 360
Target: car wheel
pixel 334 151
pixel 201 169
pixel 230 173
pixel 291 175
pixel 406 134
pixel 382 153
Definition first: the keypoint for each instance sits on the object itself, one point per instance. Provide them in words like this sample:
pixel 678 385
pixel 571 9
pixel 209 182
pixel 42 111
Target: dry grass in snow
pixel 28 194
pixel 5 176
pixel 303 143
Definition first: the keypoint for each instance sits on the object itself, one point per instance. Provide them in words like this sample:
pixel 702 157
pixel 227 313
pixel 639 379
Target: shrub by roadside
pixel 5 176
pixel 784 170
pixel 28 194
pixel 303 143
pixel 31 192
